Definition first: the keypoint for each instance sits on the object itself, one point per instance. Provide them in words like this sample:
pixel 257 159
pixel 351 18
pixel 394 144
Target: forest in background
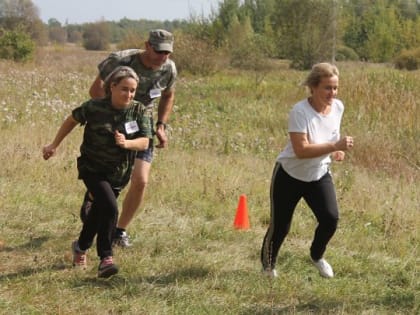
pixel 301 31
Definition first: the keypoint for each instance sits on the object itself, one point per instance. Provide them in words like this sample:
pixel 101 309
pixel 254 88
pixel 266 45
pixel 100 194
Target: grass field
pixel 225 133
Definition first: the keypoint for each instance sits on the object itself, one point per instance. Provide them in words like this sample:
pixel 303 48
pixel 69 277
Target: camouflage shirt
pixel 99 152
pixel 150 80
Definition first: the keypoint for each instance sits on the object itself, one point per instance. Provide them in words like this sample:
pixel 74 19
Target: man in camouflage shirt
pixel 157 81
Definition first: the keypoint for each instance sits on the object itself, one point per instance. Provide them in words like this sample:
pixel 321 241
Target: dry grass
pixel 187 258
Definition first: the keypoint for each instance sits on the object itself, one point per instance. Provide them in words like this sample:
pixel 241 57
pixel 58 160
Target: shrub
pixel 408 59
pixel 96 36
pixel 16 45
pixel 196 56
pixel 131 39
pixel 250 55
pixel 345 53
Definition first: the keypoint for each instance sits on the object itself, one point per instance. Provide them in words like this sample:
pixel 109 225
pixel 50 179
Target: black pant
pixel 102 217
pixel 285 193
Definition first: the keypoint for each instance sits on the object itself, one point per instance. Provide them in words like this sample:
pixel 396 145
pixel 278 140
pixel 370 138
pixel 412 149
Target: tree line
pixel 302 31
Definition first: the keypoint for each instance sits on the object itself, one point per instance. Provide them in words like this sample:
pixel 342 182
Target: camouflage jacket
pixel 99 152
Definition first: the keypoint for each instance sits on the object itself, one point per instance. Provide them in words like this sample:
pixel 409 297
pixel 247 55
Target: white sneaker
pixel 121 240
pixel 271 273
pixel 325 269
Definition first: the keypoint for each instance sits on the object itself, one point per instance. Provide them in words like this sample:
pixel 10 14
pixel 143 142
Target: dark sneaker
pixel 107 268
pixel 86 205
pixel 79 256
pixel 121 240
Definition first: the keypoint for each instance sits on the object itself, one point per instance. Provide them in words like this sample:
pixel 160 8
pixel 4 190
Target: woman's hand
pixel 120 139
pixel 338 156
pixel 344 144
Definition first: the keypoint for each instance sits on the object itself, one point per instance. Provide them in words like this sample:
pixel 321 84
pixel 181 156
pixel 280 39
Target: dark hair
pixel 116 76
pixel 319 71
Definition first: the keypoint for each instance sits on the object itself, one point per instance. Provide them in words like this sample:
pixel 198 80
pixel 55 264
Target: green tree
pixel 56 33
pixel 379 30
pixel 382 40
pixel 259 11
pixel 22 14
pixel 304 30
pixel 228 13
pixel 239 33
pixel 410 33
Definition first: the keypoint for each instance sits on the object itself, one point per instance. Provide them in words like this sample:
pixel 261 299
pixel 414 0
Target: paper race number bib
pixel 131 127
pixel 154 93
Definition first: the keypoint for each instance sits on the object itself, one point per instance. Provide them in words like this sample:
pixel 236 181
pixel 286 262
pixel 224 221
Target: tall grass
pixel 225 133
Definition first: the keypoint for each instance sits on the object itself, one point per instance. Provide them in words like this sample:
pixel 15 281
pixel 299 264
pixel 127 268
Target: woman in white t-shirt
pixel 302 169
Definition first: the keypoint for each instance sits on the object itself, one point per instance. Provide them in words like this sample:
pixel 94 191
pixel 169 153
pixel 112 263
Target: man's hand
pixel 48 151
pixel 162 137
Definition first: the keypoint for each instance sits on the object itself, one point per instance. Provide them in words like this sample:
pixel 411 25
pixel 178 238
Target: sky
pixel 83 11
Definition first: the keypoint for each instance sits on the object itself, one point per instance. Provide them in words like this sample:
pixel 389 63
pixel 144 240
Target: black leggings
pixel 102 217
pixel 285 193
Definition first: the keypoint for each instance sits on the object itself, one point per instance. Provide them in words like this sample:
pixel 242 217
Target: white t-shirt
pixel 319 128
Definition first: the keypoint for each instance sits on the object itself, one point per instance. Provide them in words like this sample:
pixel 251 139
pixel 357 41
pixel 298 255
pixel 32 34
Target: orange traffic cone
pixel 241 218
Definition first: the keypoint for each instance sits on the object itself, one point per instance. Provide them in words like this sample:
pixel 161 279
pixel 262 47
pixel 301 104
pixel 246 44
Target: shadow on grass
pixel 120 280
pixel 28 272
pixel 323 307
pixel 400 304
pixel 183 274
pixel 33 243
pixel 115 281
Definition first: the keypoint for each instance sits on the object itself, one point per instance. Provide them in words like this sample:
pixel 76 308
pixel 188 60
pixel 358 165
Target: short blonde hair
pixel 115 77
pixel 320 71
